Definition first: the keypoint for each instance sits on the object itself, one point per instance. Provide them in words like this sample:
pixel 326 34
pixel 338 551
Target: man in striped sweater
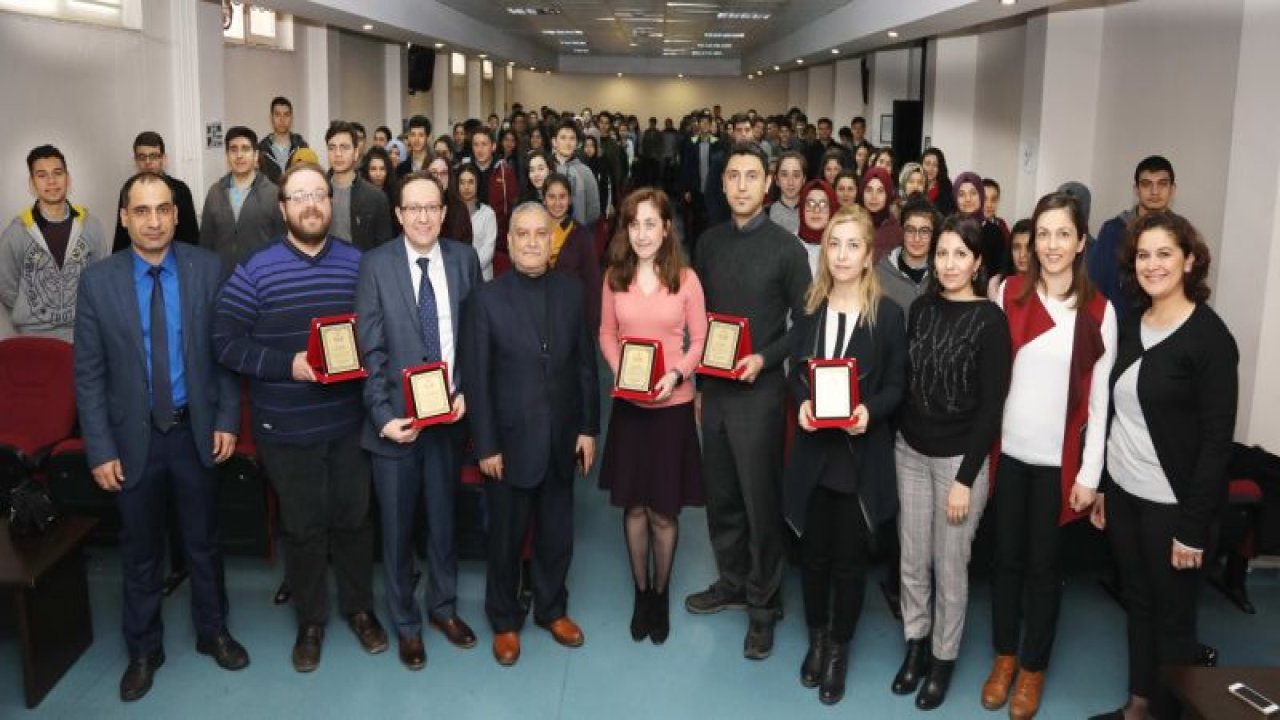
pixel 308 433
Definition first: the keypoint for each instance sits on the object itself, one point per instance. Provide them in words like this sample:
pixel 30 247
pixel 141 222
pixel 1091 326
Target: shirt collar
pixel 141 267
pixel 436 256
pixel 752 224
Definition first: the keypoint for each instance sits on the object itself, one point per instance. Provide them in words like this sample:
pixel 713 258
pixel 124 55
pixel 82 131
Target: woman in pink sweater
pixel 652 464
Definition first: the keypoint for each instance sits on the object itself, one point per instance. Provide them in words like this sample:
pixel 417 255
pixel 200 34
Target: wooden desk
pixel 1203 691
pixel 45 577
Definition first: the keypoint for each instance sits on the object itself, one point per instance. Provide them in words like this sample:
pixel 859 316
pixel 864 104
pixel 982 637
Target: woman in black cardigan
pixel 840 484
pixel 1174 389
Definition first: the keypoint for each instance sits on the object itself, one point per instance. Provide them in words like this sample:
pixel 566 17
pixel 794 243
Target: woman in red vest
pixel 1053 438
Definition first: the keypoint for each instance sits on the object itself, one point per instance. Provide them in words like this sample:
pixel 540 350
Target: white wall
pixel 252 77
pixel 847 102
pixel 890 71
pixel 821 93
pixel 954 97
pixel 360 75
pixel 646 96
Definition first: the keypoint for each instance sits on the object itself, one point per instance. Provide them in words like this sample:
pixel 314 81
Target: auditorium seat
pixel 38 399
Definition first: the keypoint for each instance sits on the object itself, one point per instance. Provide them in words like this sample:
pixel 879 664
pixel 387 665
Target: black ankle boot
pixel 914 666
pixel 811 668
pixel 934 690
pixel 640 616
pixel 834 671
pixel 659 616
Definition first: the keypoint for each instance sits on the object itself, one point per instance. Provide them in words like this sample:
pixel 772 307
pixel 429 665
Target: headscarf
pixel 399 145
pixel 908 170
pixel 967 178
pixel 808 234
pixel 876 173
pixel 304 155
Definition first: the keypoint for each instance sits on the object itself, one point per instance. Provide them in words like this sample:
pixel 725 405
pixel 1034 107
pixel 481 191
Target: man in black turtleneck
pixel 530 384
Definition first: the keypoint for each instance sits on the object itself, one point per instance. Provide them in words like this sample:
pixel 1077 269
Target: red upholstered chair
pixel 246 505
pixel 39 405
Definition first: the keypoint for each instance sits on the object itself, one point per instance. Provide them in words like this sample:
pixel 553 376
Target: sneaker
pixel 714 599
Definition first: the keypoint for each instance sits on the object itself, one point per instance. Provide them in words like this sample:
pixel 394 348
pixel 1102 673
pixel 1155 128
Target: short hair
pixel 149 138
pixel 358 128
pixel 1154 164
pixel 1194 284
pixel 919 206
pixel 471 169
pixel 577 132
pixel 384 130
pixel 794 155
pixel 44 152
pixel 525 208
pixel 1022 227
pixel 240 131
pixel 971 235
pixel 146 177
pixel 825 121
pixel 750 149
pixel 484 130
pixel 298 170
pixel 338 127
pixel 989 183
pixel 422 122
pixel 739 118
pixel 556 178
pixel 859 120
pixel 281 100
pixel 413 177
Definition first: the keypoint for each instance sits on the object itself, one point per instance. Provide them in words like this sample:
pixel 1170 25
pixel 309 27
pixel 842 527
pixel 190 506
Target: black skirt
pixel 652 458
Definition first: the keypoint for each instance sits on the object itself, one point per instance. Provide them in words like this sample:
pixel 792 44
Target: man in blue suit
pixel 531 384
pixel 157 413
pixel 409 300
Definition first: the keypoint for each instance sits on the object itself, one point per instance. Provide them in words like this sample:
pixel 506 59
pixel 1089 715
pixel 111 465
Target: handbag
pixel 31 510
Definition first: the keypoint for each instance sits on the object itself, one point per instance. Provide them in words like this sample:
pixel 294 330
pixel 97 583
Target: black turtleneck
pixel 534 291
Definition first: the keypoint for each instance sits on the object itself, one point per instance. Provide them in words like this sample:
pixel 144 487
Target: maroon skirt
pixel 652 458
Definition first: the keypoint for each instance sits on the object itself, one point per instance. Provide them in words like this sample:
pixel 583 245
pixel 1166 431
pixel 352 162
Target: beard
pixel 302 234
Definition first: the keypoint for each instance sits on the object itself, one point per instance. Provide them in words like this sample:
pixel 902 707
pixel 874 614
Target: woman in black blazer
pixel 1174 388
pixel 840 483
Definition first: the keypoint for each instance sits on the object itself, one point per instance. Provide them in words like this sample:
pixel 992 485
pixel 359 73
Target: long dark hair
pixel 669 263
pixel 388 184
pixel 946 201
pixel 1082 289
pixel 971 235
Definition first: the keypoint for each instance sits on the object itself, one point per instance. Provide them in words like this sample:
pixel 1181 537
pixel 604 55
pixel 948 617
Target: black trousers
pixel 1027 592
pixel 549 505
pixel 742 466
pixel 324 513
pixel 1162 602
pixel 834 551
pixel 173 467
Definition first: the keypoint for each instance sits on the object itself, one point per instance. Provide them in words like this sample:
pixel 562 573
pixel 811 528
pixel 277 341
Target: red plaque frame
pixel 854 399
pixel 743 349
pixel 315 351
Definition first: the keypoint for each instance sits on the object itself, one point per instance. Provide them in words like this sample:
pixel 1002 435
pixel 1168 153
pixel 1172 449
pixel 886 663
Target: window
pixel 245 24
pixel 458 63
pixel 116 13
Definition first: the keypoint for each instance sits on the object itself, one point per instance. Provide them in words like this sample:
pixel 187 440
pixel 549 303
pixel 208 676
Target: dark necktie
pixel 161 390
pixel 427 314
pixel 838 351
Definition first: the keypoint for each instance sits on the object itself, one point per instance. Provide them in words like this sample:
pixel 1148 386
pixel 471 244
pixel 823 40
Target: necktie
pixel 838 351
pixel 427 314
pixel 161 390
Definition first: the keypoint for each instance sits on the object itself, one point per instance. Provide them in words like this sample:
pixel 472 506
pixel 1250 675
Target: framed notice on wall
pixel 886 129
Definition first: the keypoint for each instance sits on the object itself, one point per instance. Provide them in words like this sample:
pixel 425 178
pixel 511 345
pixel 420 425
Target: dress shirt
pixel 142 283
pixel 440 285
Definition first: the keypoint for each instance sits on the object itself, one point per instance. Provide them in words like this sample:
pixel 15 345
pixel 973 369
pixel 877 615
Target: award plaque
pixel 640 366
pixel 728 341
pixel 426 394
pixel 833 392
pixel 332 350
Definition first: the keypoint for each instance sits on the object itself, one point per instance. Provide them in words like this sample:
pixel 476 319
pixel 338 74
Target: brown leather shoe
pixel 565 631
pixel 506 648
pixel 368 631
pixel 995 692
pixel 412 653
pixel 457 631
pixel 1026 695
pixel 306 648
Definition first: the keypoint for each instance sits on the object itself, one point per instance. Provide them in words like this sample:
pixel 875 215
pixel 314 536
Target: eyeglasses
pixel 303 197
pixel 923 232
pixel 148 157
pixel 816 204
pixel 421 210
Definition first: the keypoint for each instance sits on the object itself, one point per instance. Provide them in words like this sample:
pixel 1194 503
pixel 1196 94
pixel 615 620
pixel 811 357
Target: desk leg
pixel 55 626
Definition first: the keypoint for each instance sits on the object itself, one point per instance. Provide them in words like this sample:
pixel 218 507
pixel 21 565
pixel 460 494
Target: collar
pixel 310 259
pixel 436 256
pixel 141 267
pixel 38 217
pixel 753 224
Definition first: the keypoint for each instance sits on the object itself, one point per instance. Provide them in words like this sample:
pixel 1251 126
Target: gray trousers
pixel 935 549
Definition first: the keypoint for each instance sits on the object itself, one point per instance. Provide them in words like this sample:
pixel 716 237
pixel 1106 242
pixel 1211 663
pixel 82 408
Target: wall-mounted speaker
pixel 422 69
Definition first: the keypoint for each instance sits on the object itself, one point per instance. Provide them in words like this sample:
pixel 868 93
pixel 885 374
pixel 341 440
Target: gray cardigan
pixel 259 224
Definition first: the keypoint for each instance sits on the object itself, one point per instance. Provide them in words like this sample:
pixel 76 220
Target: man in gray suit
pixel 157 412
pixel 409 299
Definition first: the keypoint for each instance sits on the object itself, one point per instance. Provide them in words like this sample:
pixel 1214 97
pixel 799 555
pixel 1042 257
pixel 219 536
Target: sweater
pixel 958 374
pixel 896 284
pixel 263 320
pixel 232 238
pixel 661 316
pixel 758 272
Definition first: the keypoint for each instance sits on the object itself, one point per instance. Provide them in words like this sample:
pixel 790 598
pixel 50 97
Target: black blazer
pixel 370 215
pixel 1187 387
pixel 881 353
pixel 528 405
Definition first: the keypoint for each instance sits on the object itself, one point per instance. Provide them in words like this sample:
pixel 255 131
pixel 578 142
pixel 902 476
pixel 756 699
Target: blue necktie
pixel 161 388
pixel 427 314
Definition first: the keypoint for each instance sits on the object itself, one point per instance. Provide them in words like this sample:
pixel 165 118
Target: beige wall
pixel 650 96
pixel 254 76
pixel 361 97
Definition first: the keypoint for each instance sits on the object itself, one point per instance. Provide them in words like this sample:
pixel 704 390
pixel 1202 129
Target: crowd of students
pixel 1039 373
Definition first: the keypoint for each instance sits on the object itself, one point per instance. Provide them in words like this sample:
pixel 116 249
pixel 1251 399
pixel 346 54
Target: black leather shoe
pixel 811 668
pixel 934 691
pixel 659 616
pixel 306 649
pixel 834 670
pixel 914 666
pixel 457 632
pixel 758 644
pixel 714 599
pixel 368 631
pixel 229 654
pixel 640 615
pixel 136 680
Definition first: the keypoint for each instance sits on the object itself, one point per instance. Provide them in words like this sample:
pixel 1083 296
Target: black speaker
pixel 866 82
pixel 908 131
pixel 422 69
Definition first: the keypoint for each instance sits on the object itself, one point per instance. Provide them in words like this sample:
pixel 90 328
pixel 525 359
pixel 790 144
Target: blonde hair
pixel 869 292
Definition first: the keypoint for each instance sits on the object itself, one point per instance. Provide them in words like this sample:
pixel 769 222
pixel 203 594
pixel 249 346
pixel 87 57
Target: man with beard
pixel 361 215
pixel 308 433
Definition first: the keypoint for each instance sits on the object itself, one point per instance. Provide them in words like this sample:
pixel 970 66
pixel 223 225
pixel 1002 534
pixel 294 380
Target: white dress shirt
pixel 440 285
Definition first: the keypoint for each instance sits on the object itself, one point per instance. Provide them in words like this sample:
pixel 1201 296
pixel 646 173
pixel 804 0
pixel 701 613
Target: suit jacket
pixel 390 335
pixel 716 204
pixel 881 352
pixel 528 405
pixel 111 361
pixel 233 239
pixel 370 215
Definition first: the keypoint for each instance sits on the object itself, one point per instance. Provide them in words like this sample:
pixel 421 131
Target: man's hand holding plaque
pixel 727 352
pixel 427 399
pixel 332 351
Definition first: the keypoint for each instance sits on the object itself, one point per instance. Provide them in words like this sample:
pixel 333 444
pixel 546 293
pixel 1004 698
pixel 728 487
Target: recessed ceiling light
pixel 367 27
pixel 716 46
pixel 533 69
pixel 619 74
pixel 751 77
pixel 1008 2
pixel 893 33
pixel 482 56
pixel 439 45
pixel 681 74
pixel 548 72
pixel 835 51
pixel 799 61
pixel 573 42
pixel 777 68
pixel 691 5
pixel 634 45
pixel 561 32
pixel 742 15
pixel 511 63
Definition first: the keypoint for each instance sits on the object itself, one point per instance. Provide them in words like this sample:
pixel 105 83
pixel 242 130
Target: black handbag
pixel 31 510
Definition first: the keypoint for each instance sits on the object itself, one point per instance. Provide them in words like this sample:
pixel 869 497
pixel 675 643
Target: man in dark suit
pixel 157 413
pixel 409 300
pixel 531 386
pixel 702 161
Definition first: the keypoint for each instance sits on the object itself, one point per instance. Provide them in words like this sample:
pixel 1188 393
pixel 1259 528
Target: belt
pixel 180 416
